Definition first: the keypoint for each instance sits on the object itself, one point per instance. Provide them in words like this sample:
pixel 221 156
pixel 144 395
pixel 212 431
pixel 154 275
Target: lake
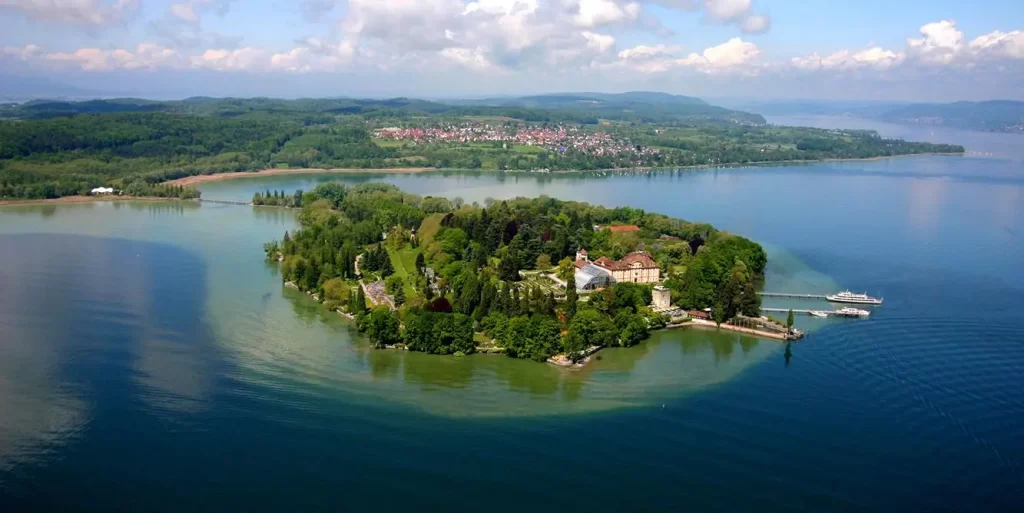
pixel 151 360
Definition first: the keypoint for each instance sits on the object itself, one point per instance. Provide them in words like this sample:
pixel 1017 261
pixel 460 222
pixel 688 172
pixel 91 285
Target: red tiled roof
pixel 623 228
pixel 607 263
pixel 643 258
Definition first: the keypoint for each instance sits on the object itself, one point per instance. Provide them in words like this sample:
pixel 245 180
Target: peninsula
pixel 536 278
pixel 147 148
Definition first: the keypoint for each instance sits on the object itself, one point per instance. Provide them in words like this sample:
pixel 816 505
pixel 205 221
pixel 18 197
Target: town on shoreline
pixel 53 150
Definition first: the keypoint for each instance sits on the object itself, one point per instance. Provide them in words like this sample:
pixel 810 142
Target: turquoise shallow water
pixel 149 359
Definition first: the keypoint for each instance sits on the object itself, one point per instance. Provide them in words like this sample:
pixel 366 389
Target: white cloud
pixel 592 13
pixel 646 52
pixel 732 54
pixel 599 42
pixel 473 58
pixel 87 13
pixel 736 12
pixel 756 24
pixel 144 56
pixel 242 59
pixel 874 57
pixel 942 45
pixel 313 55
pixel 1000 45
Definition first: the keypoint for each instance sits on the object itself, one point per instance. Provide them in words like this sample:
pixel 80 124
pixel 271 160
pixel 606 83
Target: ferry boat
pixel 819 313
pixel 852 312
pixel 849 297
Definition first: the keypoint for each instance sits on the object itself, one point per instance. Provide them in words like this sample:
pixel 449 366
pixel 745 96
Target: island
pixel 538 279
pixel 141 148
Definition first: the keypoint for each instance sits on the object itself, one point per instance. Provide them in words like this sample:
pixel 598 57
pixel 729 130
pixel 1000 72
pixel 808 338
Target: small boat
pixel 849 297
pixel 852 312
pixel 818 313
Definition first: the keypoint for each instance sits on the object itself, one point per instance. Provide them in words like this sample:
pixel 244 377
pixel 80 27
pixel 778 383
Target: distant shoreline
pixel 216 177
pixel 81 199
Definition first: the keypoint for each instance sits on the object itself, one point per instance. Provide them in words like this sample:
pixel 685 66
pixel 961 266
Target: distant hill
pixel 584 108
pixel 991 116
pixel 630 106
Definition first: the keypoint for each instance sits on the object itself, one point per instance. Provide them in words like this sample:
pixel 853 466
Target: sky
pixel 890 50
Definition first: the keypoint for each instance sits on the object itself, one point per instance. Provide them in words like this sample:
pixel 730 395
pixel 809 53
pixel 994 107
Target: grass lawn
pixel 404 262
pixel 524 148
pixel 389 143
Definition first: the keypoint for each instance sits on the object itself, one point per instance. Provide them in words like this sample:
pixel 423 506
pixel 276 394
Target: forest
pixel 54 149
pixel 439 276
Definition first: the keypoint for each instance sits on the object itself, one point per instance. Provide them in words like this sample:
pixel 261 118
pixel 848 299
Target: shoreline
pixel 81 199
pixel 216 177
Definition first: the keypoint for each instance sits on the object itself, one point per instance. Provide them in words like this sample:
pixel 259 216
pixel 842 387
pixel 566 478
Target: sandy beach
pixel 192 180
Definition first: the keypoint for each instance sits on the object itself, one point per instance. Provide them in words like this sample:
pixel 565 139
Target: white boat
pixel 819 313
pixel 852 312
pixel 849 297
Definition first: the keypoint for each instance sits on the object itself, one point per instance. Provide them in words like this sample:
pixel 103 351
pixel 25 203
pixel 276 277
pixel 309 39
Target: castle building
pixel 636 267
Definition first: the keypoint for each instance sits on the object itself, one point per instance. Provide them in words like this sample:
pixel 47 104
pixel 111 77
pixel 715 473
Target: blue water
pixel 150 360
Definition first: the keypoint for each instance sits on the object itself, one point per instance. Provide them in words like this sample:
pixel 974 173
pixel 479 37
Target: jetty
pixel 837 313
pixel 794 296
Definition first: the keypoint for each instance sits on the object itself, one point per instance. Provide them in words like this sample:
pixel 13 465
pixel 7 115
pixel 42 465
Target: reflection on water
pixel 88 324
pixel 117 352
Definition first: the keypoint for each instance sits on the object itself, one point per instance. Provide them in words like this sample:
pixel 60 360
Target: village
pixel 558 139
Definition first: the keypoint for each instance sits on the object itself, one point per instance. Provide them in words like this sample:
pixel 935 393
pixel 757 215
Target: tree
pixel 420 263
pixel 718 314
pixel 571 298
pixel 789 320
pixel 393 284
pixel 508 269
pixel 357 302
pixel 399 296
pixel 381 326
pixel 543 262
pixel 589 328
pixel 566 269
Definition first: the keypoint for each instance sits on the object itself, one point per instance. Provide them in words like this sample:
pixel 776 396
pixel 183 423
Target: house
pixel 700 314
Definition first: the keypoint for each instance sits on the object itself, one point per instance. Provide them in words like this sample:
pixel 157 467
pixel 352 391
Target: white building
pixel 661 298
pixel 102 190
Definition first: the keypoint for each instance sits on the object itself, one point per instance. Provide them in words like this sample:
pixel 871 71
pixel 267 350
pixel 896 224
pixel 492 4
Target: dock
pixel 793 296
pixel 837 313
